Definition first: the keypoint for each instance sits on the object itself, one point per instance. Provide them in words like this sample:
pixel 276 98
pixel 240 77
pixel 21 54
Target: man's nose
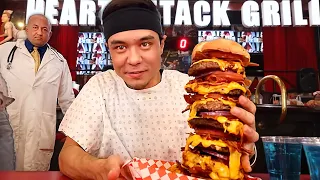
pixel 39 31
pixel 134 57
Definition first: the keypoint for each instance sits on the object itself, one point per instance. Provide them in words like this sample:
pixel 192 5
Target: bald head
pixel 38 30
pixel 39 16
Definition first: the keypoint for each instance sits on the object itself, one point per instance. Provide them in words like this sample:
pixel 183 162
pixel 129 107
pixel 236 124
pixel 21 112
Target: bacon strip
pixel 220 55
pixel 238 146
pixel 191 98
pixel 200 81
pixel 248 93
pixel 228 76
pixel 220 76
pixel 247 82
pixel 187 108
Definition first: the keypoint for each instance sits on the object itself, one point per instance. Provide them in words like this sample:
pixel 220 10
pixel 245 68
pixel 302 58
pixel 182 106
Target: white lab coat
pixel 33 114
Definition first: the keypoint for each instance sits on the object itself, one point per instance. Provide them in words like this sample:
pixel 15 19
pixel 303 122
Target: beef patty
pixel 199 123
pixel 203 67
pixel 212 106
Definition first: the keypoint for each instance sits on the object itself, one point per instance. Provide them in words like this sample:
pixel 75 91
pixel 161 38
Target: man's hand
pixel 247 116
pixel 110 169
pixel 316 93
pixel 311 104
pixel 75 163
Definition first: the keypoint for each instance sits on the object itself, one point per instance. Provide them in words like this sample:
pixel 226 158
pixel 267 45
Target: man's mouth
pixel 135 74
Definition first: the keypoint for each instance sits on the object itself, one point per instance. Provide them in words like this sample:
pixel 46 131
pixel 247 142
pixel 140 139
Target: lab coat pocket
pixel 46 144
pixel 48 132
pixel 53 75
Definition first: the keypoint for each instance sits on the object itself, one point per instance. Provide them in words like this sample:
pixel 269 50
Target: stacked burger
pixel 215 148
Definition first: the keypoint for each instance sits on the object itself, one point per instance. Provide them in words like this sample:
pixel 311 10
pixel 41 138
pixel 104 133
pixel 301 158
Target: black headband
pixel 132 18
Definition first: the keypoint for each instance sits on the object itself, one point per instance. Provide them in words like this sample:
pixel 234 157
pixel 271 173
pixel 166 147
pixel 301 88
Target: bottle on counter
pixel 253 98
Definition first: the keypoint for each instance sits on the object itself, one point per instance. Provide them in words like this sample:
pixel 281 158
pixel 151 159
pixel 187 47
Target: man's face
pixel 136 57
pixel 38 30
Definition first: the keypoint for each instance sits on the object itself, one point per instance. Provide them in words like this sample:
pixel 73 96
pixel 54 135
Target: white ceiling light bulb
pixel 20 24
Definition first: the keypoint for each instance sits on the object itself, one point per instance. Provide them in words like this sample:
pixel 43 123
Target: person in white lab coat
pixel 36 77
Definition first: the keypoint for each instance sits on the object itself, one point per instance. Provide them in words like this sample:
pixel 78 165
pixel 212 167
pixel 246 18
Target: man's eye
pixel 120 47
pixel 145 44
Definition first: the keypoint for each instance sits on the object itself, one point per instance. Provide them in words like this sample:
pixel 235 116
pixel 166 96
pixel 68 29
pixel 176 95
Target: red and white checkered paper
pixel 148 169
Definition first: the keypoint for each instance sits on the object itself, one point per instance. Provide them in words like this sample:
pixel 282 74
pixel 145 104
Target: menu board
pixel 176 60
pixel 212 35
pixel 251 41
pixel 93 54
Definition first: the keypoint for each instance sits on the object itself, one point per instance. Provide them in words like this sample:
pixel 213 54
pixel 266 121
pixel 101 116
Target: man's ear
pixel 162 43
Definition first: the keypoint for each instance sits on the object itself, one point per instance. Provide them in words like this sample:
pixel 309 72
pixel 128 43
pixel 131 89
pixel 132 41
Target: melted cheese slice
pixel 228 103
pixel 233 127
pixel 234 164
pixel 195 140
pixel 223 88
pixel 224 64
pixel 218 169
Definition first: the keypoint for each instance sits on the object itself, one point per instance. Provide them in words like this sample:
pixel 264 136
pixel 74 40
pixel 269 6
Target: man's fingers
pixel 114 165
pixel 250 134
pixel 103 177
pixel 245 162
pixel 250 147
pixel 115 161
pixel 114 174
pixel 247 104
pixel 316 93
pixel 245 116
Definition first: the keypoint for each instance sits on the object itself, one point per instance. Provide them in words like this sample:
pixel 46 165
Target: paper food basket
pixel 148 169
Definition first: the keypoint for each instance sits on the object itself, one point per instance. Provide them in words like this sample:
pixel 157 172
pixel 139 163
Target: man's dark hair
pixel 116 5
